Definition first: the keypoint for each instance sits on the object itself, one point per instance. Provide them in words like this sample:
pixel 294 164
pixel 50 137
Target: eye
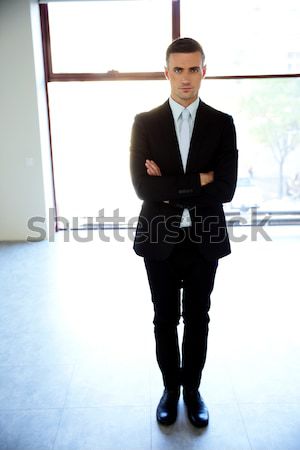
pixel 195 69
pixel 177 70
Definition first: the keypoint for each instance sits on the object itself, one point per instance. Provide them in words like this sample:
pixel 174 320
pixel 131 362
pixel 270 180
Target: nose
pixel 185 79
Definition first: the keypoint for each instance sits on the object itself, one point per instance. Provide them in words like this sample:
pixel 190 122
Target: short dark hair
pixel 185 45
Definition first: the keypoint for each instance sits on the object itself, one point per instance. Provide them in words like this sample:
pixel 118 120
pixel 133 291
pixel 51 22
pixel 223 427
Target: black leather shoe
pixel 196 409
pixel 166 412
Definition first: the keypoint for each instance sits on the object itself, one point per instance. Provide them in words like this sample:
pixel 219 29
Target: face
pixel 185 72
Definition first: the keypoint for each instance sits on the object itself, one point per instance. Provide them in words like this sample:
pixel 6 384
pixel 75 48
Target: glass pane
pixel 267 117
pixel 245 37
pixel 124 35
pixel 91 127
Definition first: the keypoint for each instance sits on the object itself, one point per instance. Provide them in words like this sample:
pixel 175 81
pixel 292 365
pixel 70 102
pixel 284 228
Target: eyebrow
pixel 189 68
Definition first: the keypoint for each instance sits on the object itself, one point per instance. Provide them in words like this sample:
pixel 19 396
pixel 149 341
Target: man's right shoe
pixel 166 412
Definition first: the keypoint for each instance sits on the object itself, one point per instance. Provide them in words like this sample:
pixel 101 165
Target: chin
pixel 187 97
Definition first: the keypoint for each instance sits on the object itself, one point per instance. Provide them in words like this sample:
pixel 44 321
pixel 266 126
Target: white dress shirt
pixel 177 109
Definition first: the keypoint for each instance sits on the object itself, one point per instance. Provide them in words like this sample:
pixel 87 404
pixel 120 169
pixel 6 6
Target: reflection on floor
pixel 77 365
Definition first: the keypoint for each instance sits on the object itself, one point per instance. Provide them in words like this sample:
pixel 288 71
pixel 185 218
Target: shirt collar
pixel 177 108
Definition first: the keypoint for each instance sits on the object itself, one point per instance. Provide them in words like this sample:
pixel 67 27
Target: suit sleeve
pixel 225 166
pixel 156 188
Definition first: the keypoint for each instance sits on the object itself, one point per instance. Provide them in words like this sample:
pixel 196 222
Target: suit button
pixel 185 191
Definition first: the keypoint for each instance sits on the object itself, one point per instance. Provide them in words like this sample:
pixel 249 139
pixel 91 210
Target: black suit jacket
pixel 213 147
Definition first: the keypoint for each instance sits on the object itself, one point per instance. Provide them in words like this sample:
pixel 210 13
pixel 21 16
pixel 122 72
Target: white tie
pixel 184 145
pixel 185 136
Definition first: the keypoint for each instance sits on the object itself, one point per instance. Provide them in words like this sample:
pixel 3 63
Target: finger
pixel 150 172
pixel 152 168
pixel 156 171
pixel 148 167
pixel 155 167
pixel 151 165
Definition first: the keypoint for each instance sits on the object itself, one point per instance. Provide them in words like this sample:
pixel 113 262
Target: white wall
pixel 25 171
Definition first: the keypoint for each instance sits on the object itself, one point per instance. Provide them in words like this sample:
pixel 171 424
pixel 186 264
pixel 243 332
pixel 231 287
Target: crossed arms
pixel 154 170
pixel 152 183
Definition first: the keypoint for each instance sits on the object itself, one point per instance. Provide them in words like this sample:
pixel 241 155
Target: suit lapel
pixel 199 131
pixel 170 137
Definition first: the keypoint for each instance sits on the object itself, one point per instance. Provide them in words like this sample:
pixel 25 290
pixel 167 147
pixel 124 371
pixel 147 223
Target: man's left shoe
pixel 196 409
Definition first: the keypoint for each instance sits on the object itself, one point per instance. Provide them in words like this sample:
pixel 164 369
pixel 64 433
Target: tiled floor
pixel 77 364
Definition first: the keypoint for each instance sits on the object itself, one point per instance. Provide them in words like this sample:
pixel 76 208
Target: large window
pixel 105 64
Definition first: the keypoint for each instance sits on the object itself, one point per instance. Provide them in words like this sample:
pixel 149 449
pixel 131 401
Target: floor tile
pixel 266 381
pixel 109 383
pixel 37 348
pixel 30 387
pixel 107 428
pixel 29 430
pixel 274 426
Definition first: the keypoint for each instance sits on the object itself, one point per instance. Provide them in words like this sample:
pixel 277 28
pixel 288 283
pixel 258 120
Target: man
pixel 184 167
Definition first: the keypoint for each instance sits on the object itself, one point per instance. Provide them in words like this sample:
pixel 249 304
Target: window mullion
pixel 46 41
pixel 175 19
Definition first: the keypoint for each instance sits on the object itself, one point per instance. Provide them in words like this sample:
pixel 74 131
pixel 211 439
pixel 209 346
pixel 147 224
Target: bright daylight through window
pixel 241 39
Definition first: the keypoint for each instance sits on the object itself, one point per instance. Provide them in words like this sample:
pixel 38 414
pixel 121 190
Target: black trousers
pixel 181 286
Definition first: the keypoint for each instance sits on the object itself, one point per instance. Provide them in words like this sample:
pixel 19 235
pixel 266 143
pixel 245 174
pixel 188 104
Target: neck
pixel 183 102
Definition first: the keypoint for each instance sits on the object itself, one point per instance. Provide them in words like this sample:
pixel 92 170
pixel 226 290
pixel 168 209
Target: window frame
pixel 121 76
pixel 93 76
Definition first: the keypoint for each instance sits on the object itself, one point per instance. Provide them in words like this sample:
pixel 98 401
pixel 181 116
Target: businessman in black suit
pixel 183 160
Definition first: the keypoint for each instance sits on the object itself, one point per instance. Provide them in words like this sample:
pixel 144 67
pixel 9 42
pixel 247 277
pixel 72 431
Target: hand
pixel 152 168
pixel 206 178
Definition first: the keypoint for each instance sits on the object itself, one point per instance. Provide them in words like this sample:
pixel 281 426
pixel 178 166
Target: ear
pixel 204 71
pixel 167 73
